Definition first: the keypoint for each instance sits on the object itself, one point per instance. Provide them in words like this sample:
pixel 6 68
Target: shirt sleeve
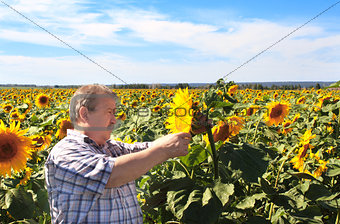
pixel 135 147
pixel 79 171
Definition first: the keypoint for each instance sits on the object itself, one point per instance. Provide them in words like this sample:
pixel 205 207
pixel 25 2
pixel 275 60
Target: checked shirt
pixel 76 172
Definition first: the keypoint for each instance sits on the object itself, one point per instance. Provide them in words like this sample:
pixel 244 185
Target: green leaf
pixel 312 214
pixel 266 186
pixel 196 155
pixel 302 176
pixel 328 198
pixel 2 198
pixel 257 220
pixel 42 200
pixel 333 168
pixel 252 161
pixel 223 191
pixel 249 202
pixel 24 221
pixel 19 203
pixel 317 191
pixel 180 200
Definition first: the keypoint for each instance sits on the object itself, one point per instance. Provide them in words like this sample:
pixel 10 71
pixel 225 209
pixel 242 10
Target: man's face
pixel 102 117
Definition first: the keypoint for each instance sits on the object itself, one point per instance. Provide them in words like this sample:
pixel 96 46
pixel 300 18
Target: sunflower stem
pixel 337 127
pixel 276 181
pixel 185 169
pixel 214 153
pixel 257 126
pixel 337 221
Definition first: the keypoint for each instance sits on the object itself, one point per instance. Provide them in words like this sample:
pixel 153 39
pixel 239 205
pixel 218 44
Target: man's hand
pixel 173 145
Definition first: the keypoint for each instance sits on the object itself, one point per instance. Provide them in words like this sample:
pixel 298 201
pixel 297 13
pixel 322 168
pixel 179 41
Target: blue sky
pixel 168 41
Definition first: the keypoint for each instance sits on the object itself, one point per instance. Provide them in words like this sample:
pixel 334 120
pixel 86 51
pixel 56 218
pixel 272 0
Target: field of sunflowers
pixel 268 156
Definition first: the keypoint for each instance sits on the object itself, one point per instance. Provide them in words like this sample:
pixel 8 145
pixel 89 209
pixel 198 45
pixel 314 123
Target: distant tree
pixel 317 86
pixel 182 85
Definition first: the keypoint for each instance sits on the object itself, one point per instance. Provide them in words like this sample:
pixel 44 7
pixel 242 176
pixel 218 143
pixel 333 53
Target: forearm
pixel 131 166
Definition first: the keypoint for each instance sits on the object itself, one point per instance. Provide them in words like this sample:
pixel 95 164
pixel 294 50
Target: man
pixel 90 178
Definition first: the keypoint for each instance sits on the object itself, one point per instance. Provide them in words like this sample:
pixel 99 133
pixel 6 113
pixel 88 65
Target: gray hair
pixel 86 96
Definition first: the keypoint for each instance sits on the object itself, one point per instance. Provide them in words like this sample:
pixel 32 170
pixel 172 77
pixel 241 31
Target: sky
pixel 167 41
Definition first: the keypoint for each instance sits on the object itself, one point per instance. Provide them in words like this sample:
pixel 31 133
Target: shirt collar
pixel 82 137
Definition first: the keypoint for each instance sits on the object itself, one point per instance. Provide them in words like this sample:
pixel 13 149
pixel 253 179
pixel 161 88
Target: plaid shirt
pixel 77 170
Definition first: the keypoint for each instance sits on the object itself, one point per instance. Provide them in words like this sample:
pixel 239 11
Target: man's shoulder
pixel 66 146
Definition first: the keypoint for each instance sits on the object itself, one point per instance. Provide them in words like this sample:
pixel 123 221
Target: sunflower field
pixel 268 156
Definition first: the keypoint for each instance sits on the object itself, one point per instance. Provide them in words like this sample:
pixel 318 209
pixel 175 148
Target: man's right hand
pixel 173 145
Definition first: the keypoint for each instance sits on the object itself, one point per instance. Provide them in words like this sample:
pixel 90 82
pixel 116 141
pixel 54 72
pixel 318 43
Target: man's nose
pixel 113 119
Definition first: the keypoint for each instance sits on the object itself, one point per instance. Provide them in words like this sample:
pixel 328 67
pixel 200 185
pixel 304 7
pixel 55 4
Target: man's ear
pixel 83 114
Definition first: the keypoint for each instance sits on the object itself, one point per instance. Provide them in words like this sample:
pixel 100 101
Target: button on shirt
pixel 76 172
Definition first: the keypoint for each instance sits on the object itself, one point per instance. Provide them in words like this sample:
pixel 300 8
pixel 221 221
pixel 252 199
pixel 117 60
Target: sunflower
pixel 299 159
pixel 252 109
pixel 121 116
pixel 134 103
pixel 27 177
pixel 126 139
pixel 14 148
pixel 7 108
pixel 318 172
pixel 156 108
pixel 235 124
pixel 301 100
pixel 64 124
pixel 171 94
pixel 42 100
pixel 41 142
pixel 286 128
pixel 275 95
pixel 277 111
pixel 232 89
pixel 296 117
pixel 221 131
pixel 142 98
pixel 29 106
pixel 180 118
pixel 306 137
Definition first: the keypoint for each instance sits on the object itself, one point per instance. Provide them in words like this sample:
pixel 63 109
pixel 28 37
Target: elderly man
pixel 90 178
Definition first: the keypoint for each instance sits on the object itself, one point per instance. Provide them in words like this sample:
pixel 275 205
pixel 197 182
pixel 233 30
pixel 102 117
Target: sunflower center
pixel 7 151
pixel 250 111
pixel 43 99
pixel 276 111
pixel 8 108
pixel 39 140
pixel 286 124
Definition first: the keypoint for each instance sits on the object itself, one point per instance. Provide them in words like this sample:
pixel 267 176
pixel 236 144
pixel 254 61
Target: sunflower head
pixel 156 108
pixel 40 142
pixel 286 128
pixel 306 137
pixel 121 116
pixel 232 89
pixel 235 124
pixel 252 110
pixel 7 108
pixel 180 118
pixel 276 113
pixel 14 148
pixel 221 131
pixel 42 100
pixel 64 124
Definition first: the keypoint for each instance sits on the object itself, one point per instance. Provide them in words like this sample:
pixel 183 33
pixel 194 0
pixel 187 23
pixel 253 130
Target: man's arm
pixel 131 166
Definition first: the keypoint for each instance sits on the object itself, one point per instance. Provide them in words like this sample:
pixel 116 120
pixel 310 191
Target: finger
pixel 184 135
pixel 186 141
